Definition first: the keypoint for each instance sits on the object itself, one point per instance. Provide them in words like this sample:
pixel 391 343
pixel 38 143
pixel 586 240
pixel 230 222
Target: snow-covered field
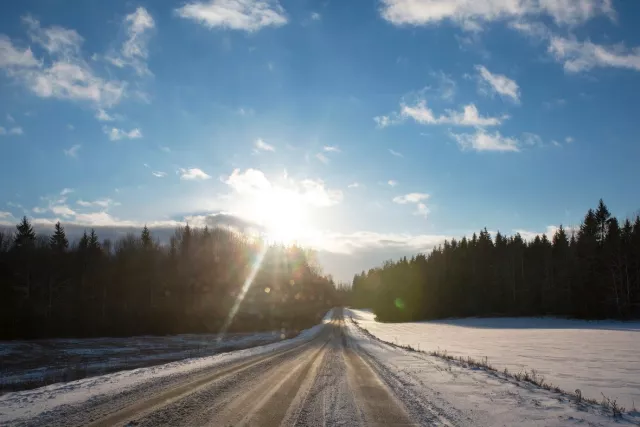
pixel 34 363
pixel 593 356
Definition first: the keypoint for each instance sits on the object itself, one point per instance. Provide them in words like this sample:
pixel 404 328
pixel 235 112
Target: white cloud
pixel 103 116
pixel 263 146
pixel 392 183
pixel 315 16
pixel 324 159
pixel 470 116
pixel 193 174
pixel 66 75
pixel 410 198
pixel 354 185
pixel 116 134
pixel 483 141
pixel 253 182
pixel 10 118
pixel 12 58
pixel 55 40
pixel 247 182
pixel 245 15
pixel 159 174
pixel 134 51
pixel 384 121
pixel 103 203
pixel 579 56
pixel 500 84
pixel 66 191
pixel 569 139
pixel 165 149
pixel 331 149
pixel 395 153
pixel 471 14
pixel 72 151
pixel 63 210
pixel 414 199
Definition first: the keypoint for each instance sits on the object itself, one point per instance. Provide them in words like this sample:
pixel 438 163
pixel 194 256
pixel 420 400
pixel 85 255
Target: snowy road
pixel 333 375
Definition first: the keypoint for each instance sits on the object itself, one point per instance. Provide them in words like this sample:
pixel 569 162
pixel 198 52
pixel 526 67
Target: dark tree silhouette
pixel 591 272
pixel 134 285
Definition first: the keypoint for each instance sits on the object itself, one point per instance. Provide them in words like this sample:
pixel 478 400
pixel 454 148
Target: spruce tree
pixel 58 241
pixel 145 236
pixel 25 236
pixel 93 240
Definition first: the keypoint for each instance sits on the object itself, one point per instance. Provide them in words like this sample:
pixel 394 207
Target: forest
pixel 50 287
pixel 591 272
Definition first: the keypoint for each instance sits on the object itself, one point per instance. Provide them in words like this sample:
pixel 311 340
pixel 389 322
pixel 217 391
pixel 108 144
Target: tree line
pixel 590 272
pixel 50 287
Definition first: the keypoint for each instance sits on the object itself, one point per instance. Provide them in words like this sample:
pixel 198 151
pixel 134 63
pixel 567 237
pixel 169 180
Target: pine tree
pixel 93 243
pixel 25 236
pixel 602 217
pixel 83 244
pixel 58 241
pixel 145 236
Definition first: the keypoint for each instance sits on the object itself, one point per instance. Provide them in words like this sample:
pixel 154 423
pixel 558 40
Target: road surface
pixel 321 382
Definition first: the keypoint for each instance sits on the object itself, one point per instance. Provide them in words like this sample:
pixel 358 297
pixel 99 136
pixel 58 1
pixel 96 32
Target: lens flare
pixel 245 288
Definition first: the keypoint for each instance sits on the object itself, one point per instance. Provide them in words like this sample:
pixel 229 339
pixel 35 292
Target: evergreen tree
pixel 58 241
pixel 146 238
pixel 25 236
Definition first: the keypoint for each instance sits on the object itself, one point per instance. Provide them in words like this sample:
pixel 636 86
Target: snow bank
pixel 31 403
pixel 593 356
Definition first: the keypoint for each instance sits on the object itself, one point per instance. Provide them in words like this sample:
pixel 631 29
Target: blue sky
pixel 368 130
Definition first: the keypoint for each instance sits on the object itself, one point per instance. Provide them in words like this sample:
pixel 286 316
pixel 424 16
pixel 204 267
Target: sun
pixel 283 214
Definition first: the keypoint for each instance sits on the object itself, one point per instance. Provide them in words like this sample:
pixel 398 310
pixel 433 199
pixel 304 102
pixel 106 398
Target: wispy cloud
pixel 470 15
pixel 395 153
pixel 244 15
pixel 354 185
pixel 498 83
pixel 165 149
pixel 116 134
pixel 193 174
pixel 13 131
pixel 569 139
pixel 72 151
pixel 159 174
pixel 10 118
pixel 260 145
pixel 315 16
pixel 102 203
pixel 422 114
pixel 66 191
pixel 579 56
pixel 324 159
pixel 484 141
pixel 134 50
pixel 71 127
pixel 103 116
pixel 331 149
pixel 392 183
pixel 414 199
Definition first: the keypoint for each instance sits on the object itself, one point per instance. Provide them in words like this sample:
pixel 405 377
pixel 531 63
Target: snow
pixel 439 392
pixel 31 403
pixel 33 363
pixel 597 357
